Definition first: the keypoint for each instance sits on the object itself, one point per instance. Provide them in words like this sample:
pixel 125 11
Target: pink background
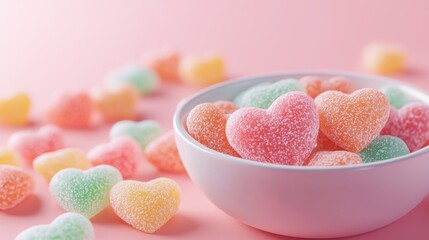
pixel 47 46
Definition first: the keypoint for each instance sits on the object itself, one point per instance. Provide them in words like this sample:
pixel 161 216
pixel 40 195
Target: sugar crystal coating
pixel 414 123
pixel 264 94
pixel 284 134
pixel 144 80
pixel 382 148
pixel 397 98
pixel 314 85
pixel 352 121
pixel 15 186
pixel 325 144
pixel 84 192
pixel 393 124
pixel 14 111
pixel 146 206
pixel 67 226
pixel 333 158
pixel 142 132
pixel 163 154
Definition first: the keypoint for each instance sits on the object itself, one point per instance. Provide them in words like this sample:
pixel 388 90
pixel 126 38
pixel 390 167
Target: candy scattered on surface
pixel 15 186
pixel 15 110
pixel 144 80
pixel 9 157
pixel 382 148
pixel 397 98
pixel 48 164
pixel 414 120
pixel 67 226
pixel 122 153
pixel 286 133
pixel 325 144
pixel 264 94
pixel 30 144
pixel 84 192
pixel 333 158
pixel 142 132
pixel 393 124
pixel 314 85
pixel 116 102
pixel 206 123
pixel 202 71
pixel 352 121
pixel 71 110
pixel 146 206
pixel 163 154
pixel 384 58
pixel 166 65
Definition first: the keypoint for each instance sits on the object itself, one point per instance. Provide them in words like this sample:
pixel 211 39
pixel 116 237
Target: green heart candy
pixel 144 80
pixel 382 148
pixel 68 226
pixel 264 94
pixel 142 132
pixel 396 97
pixel 85 192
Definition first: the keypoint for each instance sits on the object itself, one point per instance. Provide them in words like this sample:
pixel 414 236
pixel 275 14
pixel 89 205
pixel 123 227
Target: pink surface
pixel 47 46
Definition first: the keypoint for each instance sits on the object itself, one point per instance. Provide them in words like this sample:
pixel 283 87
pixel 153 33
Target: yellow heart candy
pixel 202 71
pixel 15 110
pixel 146 206
pixel 48 164
pixel 9 157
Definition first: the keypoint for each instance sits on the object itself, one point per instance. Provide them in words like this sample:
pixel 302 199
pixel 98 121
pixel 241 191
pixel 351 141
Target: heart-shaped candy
pixel 71 110
pixel 333 158
pixel 352 121
pixel 384 147
pixel 15 110
pixel 286 133
pixel 144 80
pixel 116 102
pixel 9 157
pixel 165 64
pixel 15 186
pixel 85 192
pixel 68 226
pixel 397 98
pixel 206 123
pixel 264 94
pixel 414 125
pixel 142 132
pixel 122 153
pixel 48 164
pixel 202 70
pixel 30 144
pixel 315 85
pixel 146 206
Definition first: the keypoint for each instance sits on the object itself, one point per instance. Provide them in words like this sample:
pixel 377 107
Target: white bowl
pixel 309 202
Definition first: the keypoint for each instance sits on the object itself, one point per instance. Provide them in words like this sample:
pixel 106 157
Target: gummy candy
pixel 384 147
pixel 144 80
pixel 84 192
pixel 333 158
pixel 146 206
pixel 166 65
pixel 384 58
pixel 122 153
pixel 325 144
pixel 315 85
pixel 202 71
pixel 15 186
pixel 15 110
pixel 142 132
pixel 414 124
pixel 397 98
pixel 393 124
pixel 9 157
pixel 286 133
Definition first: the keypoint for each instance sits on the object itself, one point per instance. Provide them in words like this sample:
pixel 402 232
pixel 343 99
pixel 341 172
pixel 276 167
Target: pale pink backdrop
pixel 47 46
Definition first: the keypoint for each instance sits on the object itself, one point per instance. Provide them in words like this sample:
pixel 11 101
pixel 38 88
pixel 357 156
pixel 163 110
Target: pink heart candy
pixel 30 144
pixel 121 153
pixel 285 133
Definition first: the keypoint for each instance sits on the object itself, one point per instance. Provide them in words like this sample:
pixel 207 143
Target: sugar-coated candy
pixel 48 164
pixel 122 153
pixel 314 85
pixel 333 158
pixel 202 70
pixel 116 103
pixel 384 58
pixel 264 94
pixel 166 65
pixel 206 123
pixel 30 144
pixel 393 124
pixel 71 110
pixel 67 226
pixel 414 124
pixel 352 121
pixel 286 133
pixel 142 132
pixel 84 192
pixel 15 186
pixel 163 154
pixel 226 107
pixel 9 157
pixel 382 148
pixel 397 98
pixel 146 206
pixel 143 79
pixel 325 144
pixel 15 110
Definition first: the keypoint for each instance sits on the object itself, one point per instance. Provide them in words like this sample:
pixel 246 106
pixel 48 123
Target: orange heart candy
pixel 315 85
pixel 352 121
pixel 15 186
